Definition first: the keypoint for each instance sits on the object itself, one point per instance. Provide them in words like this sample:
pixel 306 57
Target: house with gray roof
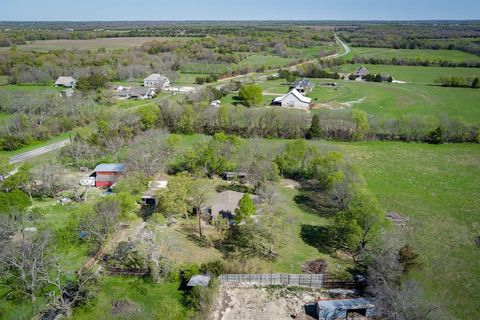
pixel 361 72
pixel 156 80
pixel 303 86
pixel 332 309
pixel 293 99
pixel 67 82
pixel 225 203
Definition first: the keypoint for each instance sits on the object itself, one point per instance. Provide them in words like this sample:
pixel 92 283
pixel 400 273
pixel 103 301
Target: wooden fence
pixel 300 280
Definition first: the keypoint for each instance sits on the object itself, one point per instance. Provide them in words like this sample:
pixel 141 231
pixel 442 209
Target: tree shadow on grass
pixel 319 237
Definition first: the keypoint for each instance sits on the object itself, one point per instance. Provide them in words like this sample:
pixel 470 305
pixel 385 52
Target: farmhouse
pixel 303 86
pixel 67 82
pixel 106 174
pixel 361 72
pixel 293 99
pixel 343 308
pixel 157 81
pixel 225 203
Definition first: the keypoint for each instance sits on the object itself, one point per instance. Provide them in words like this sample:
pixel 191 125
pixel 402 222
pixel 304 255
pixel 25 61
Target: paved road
pixel 39 151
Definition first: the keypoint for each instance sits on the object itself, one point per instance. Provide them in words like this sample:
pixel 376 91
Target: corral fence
pixel 317 281
pixel 300 280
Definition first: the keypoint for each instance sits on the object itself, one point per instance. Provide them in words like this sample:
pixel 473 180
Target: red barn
pixel 106 174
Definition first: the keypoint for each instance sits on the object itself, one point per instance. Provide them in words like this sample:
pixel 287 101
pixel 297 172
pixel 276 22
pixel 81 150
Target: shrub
pixel 251 95
pixel 214 268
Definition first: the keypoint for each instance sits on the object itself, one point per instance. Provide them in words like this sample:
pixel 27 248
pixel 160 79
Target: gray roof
pixel 199 280
pixel 110 167
pixel 302 83
pixel 362 71
pixel 334 308
pixel 155 77
pixel 227 202
pixel 65 81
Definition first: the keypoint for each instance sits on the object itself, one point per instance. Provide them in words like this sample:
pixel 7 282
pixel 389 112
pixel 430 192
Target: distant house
pixel 225 203
pixel 139 93
pixel 148 197
pixel 303 86
pixel 293 99
pixel 67 82
pixel 106 174
pixel 361 72
pixel 156 80
pixel 68 93
pixel 333 309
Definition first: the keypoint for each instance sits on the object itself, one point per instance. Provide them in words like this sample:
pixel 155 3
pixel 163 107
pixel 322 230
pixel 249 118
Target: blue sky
pixel 238 9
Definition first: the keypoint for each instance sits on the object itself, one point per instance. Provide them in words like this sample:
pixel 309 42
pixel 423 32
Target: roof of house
pixel 110 167
pixel 333 305
pixel 65 81
pixel 155 77
pixel 303 83
pixel 361 71
pixel 227 201
pixel 297 95
pixel 141 91
pixel 199 280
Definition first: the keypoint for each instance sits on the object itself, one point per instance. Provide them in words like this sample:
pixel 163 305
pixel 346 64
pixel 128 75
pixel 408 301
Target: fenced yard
pixel 300 280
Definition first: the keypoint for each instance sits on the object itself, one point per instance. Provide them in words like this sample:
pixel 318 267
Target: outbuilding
pixel 106 174
pixel 148 197
pixel 225 203
pixel 361 72
pixel 303 86
pixel 332 309
pixel 67 82
pixel 293 99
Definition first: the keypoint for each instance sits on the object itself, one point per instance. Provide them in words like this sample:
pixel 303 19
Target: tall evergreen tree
pixel 315 131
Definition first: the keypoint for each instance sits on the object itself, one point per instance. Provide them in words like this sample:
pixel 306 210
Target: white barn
pixel 156 80
pixel 293 99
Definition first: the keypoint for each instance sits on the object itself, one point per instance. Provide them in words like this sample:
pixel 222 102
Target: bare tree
pixel 49 178
pixel 24 264
pixel 199 196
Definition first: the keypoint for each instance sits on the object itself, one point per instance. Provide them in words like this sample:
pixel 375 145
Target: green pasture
pixel 420 54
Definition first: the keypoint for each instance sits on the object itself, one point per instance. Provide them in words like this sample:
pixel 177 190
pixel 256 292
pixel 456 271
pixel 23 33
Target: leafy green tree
pixel 360 118
pixel 149 115
pixel 14 200
pixel 5 167
pixel 436 136
pixel 246 209
pixel 173 202
pixel 359 224
pixel 315 131
pixel 251 95
pixel 93 81
pixel 186 123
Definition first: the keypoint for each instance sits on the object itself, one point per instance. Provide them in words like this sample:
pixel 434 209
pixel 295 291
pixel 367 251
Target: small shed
pixel 225 203
pixel 67 82
pixel 332 309
pixel 68 93
pixel 106 174
pixel 201 280
pixel 215 103
pixel 148 197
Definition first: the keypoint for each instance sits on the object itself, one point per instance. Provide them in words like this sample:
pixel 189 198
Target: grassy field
pixel 437 187
pixel 146 296
pixel 414 74
pixel 385 99
pixel 90 44
pixel 421 54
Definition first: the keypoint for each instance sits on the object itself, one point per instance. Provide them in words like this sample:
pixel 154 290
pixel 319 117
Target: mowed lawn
pixel 438 188
pixel 397 100
pixel 420 54
pixel 415 74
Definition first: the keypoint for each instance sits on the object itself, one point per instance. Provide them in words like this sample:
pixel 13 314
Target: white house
pixel 67 82
pixel 156 80
pixel 293 99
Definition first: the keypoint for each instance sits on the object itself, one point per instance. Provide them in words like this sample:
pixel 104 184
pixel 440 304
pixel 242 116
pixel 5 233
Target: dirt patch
pixel 238 303
pixel 124 308
pixel 315 266
pixel 291 184
pixel 350 104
